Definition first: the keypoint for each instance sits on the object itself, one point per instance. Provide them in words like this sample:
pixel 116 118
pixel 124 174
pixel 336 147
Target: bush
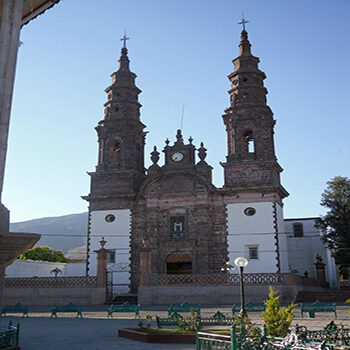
pixel 43 253
pixel 277 318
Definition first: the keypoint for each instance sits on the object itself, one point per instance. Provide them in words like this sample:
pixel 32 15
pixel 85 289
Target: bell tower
pixel 251 171
pixel 251 161
pixel 119 173
pixel 121 138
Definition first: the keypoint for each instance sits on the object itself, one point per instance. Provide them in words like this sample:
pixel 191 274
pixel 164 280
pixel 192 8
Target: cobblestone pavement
pixel 96 332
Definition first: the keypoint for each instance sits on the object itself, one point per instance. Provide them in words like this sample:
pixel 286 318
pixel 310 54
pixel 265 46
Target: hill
pixel 66 232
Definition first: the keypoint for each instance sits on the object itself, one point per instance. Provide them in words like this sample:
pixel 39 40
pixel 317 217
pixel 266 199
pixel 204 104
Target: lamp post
pixel 241 263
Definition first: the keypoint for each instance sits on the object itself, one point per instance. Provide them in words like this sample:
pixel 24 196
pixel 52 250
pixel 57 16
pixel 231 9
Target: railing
pixel 209 341
pixel 243 341
pixel 217 279
pixel 51 282
pixel 9 335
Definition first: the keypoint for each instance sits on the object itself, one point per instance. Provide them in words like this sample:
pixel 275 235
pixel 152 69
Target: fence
pixel 51 282
pixel 9 335
pixel 233 279
pixel 295 340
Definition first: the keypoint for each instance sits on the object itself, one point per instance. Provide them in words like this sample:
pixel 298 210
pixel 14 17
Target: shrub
pixel 277 318
pixel 43 253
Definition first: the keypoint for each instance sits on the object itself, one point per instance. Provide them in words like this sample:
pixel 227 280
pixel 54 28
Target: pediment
pixel 175 184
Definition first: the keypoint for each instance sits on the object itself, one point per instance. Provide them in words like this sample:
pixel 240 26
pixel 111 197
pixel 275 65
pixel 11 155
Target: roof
pixel 33 8
pixel 299 219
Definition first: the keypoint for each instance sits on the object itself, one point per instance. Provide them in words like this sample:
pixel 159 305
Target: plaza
pixel 96 332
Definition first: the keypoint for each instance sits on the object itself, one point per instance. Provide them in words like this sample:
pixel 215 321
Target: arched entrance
pixel 178 263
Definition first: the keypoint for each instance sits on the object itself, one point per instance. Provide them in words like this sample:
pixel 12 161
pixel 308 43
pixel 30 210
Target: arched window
pixel 178 264
pixel 115 152
pixel 298 229
pixel 248 142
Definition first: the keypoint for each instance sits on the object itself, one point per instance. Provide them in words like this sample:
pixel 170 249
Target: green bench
pixel 16 308
pixel 185 307
pixel 249 307
pixel 125 307
pixel 317 306
pixel 67 308
pixel 218 319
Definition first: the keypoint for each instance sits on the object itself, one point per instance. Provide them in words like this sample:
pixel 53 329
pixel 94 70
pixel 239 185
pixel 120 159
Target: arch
pixel 115 151
pixel 175 183
pixel 178 263
pixel 248 142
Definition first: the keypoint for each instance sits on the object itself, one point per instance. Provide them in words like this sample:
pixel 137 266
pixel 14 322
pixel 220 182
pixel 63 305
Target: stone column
pixel 10 25
pixel 12 245
pixel 102 261
pixel 145 262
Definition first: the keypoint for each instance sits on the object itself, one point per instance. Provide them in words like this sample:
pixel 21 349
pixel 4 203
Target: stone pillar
pixel 102 261
pixel 145 262
pixel 12 245
pixel 10 25
pixel 320 269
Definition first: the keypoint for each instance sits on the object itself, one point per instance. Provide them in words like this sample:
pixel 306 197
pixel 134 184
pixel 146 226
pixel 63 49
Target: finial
pixel 243 21
pixel 179 137
pixel 190 139
pixel 124 38
pixel 167 141
pixel 102 242
pixel 202 152
pixel 155 156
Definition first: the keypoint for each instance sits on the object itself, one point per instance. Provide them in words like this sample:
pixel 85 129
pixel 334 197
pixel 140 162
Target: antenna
pixel 182 116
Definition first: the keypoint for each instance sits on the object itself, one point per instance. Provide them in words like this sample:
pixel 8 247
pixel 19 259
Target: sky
pixel 182 52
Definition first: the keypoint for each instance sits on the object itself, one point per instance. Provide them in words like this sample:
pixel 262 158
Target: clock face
pixel 177 157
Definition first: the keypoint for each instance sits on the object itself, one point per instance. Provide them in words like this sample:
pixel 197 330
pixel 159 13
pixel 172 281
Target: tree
pixel 277 319
pixel 43 253
pixel 336 223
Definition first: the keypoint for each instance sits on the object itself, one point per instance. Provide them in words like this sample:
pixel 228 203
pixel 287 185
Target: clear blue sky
pixel 182 52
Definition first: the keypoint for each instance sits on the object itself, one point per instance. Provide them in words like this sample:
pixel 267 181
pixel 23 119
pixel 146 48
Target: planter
pixel 157 338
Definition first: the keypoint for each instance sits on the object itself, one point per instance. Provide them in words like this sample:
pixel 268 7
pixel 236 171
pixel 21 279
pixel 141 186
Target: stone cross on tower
pixel 124 38
pixel 243 21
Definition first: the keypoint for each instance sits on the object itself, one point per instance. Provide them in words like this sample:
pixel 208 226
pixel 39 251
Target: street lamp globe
pixel 241 262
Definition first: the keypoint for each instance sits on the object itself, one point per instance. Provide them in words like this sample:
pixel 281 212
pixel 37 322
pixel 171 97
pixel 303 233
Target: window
pixel 114 152
pixel 253 253
pixel 111 257
pixel 110 218
pixel 248 142
pixel 298 230
pixel 249 211
pixel 177 227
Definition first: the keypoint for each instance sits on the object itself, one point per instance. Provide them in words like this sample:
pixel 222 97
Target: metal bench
pixel 125 307
pixel 249 307
pixel 9 336
pixel 317 306
pixel 67 308
pixel 16 308
pixel 332 333
pixel 185 307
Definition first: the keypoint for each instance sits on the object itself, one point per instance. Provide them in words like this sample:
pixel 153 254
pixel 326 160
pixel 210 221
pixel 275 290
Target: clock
pixel 177 157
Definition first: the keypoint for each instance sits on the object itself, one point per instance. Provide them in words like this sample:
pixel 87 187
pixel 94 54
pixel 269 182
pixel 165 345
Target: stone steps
pixel 326 297
pixel 120 299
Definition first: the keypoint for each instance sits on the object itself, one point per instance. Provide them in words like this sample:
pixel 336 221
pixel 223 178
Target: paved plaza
pixel 96 332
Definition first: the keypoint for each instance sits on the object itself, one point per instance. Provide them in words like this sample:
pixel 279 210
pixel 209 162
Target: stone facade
pixel 174 207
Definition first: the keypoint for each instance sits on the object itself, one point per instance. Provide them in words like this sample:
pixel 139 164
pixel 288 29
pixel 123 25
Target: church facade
pixel 189 225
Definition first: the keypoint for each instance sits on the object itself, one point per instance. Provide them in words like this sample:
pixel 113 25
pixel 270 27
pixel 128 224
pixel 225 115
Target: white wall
pixel 117 235
pixel 303 251
pixel 258 230
pixel 282 240
pixel 31 268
